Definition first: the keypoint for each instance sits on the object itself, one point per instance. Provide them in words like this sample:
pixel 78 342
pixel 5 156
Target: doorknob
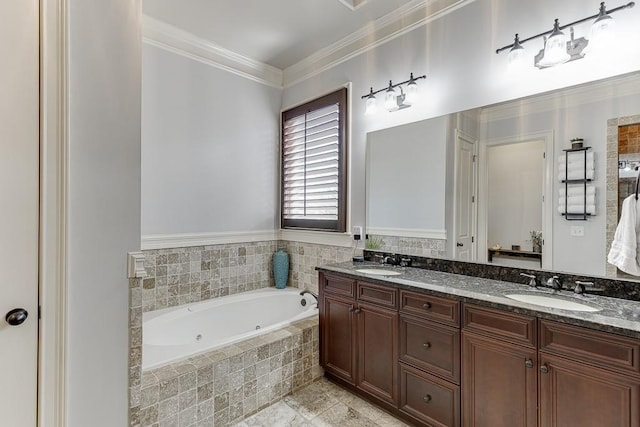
pixel 458 244
pixel 16 316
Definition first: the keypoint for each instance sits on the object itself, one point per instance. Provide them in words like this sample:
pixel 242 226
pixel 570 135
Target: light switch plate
pixel 577 230
pixel 356 230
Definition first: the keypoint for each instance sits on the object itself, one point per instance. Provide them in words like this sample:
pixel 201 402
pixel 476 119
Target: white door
pixel 465 176
pixel 19 175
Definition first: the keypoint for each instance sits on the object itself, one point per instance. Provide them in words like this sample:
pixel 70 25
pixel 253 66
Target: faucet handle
pixel 582 287
pixel 533 280
pixel 379 258
pixel 405 262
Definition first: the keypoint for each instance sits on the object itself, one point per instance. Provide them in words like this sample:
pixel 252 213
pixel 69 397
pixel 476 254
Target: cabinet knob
pixel 356 311
pixel 544 369
pixel 528 363
pixel 426 305
pixel 426 345
pixel 427 398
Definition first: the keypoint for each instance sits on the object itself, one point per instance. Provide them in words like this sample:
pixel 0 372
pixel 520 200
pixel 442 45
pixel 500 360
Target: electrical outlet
pixel 577 230
pixel 356 230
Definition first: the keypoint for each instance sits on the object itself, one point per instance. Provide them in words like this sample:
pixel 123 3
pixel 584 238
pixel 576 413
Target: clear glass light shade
pixel 602 35
pixel 555 51
pixel 390 99
pixel 517 60
pixel 412 92
pixel 371 106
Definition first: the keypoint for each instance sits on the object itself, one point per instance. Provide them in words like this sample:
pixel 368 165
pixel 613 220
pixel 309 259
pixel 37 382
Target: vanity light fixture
pixel 559 48
pixel 393 101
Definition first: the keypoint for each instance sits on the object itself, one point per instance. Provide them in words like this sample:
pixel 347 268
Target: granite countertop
pixel 617 315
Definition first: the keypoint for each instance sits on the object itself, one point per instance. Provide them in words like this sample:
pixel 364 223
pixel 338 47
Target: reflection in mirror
pixel 578 247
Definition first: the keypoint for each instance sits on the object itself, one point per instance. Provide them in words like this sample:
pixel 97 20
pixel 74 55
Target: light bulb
pixel 602 34
pixel 555 50
pixel 371 106
pixel 390 98
pixel 517 59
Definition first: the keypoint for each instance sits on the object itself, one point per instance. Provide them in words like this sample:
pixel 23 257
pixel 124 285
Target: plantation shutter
pixel 313 159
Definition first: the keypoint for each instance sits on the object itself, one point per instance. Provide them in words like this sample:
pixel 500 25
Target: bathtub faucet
pixel 310 293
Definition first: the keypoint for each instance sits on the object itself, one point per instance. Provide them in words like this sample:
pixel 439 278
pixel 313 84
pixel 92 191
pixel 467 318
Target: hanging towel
pixel 577 190
pixel 575 157
pixel 577 200
pixel 577 209
pixel 624 248
pixel 576 174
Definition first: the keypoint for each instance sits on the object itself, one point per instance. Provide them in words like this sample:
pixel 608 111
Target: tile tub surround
pixel 227 385
pixel 617 315
pixel 183 275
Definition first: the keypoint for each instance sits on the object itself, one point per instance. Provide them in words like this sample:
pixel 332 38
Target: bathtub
pixel 176 333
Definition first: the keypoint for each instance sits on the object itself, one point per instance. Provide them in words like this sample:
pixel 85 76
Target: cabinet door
pixel 573 394
pixel 499 386
pixel 338 337
pixel 378 351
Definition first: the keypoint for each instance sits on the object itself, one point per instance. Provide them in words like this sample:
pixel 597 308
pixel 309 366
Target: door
pixel 338 337
pixel 465 197
pixel 499 386
pixel 19 175
pixel 377 334
pixel 574 394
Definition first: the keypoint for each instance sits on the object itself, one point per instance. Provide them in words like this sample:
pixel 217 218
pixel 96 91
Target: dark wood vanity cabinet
pixel 437 362
pixel 359 335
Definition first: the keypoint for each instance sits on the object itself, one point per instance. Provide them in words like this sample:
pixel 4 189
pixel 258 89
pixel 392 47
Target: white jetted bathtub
pixel 178 332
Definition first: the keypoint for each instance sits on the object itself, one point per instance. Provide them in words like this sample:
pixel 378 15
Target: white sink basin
pixel 554 301
pixel 379 272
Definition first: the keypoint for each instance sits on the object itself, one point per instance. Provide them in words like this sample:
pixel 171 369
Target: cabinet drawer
pixel 429 307
pixel 381 295
pixel 513 327
pixel 338 285
pixel 430 346
pixel 429 399
pixel 586 345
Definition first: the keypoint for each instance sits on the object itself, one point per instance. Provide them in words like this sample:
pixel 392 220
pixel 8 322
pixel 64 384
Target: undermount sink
pixel 554 301
pixel 379 272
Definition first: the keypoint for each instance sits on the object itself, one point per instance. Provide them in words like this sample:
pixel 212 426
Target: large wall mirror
pixel 485 185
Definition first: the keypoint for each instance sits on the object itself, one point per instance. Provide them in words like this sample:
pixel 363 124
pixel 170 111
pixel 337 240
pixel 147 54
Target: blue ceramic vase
pixel 281 268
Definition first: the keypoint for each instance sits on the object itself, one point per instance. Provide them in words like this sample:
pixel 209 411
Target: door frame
pixel 547 204
pixel 460 135
pixel 54 183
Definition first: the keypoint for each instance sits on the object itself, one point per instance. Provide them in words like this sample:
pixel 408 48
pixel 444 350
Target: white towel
pixel 577 209
pixel 577 156
pixel 577 200
pixel 577 190
pixel 576 174
pixel 624 248
pixel 575 166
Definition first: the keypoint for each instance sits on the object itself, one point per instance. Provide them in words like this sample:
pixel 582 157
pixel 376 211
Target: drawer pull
pixel 426 345
pixel 529 363
pixel 427 398
pixel 356 311
pixel 426 305
pixel 544 369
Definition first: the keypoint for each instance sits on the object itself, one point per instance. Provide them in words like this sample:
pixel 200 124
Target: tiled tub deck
pixel 225 386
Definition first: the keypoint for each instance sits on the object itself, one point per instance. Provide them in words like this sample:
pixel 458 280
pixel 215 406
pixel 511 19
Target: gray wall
pixel 210 150
pixel 104 205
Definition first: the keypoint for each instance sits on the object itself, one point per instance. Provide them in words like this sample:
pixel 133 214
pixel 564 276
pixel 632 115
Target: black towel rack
pixel 579 216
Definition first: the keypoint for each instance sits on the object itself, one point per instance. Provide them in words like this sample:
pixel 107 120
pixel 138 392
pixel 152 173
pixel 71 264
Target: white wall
pixel 104 205
pixel 406 176
pixel 457 52
pixel 210 143
pixel 514 193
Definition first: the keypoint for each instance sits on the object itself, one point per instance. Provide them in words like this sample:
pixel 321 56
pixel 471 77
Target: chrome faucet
pixel 390 260
pixel 533 280
pixel 555 283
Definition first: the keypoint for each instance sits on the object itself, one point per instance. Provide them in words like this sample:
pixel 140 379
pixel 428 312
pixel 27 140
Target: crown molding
pixel 575 96
pixel 403 20
pixel 165 36
pixel 167 241
pixel 353 4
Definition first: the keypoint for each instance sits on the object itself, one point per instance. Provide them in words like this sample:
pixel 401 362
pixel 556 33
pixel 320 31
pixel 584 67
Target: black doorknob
pixel 16 316
pixel 458 244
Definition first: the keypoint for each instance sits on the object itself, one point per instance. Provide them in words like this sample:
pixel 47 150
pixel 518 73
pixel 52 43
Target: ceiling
pixel 280 33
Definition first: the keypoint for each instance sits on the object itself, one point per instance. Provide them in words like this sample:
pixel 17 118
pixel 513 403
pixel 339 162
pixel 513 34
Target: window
pixel 314 158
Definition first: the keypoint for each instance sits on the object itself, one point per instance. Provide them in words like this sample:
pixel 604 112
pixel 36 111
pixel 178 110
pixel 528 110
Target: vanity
pixel 442 349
